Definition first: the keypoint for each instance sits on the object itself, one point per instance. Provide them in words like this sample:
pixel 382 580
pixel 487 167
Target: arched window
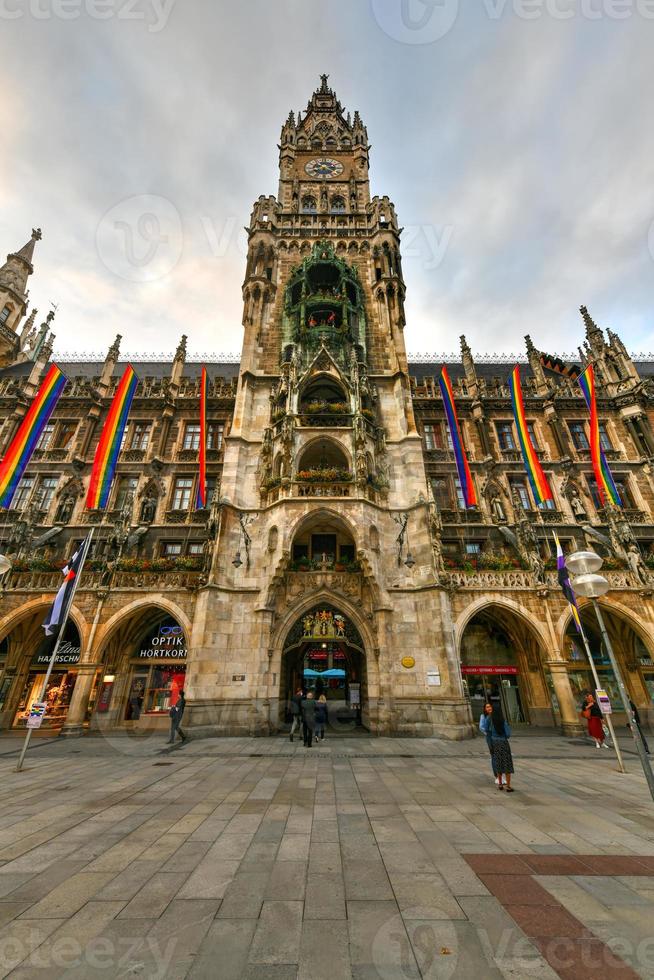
pixel 4 315
pixel 309 205
pixel 337 205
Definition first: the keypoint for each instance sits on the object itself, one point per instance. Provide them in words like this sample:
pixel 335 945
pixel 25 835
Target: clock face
pixel 324 167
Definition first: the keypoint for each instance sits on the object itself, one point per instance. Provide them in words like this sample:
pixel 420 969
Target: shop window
pixel 182 493
pixel 605 442
pixel 46 491
pixel 126 485
pixel 65 435
pixel 578 434
pixel 215 435
pixel 505 436
pixel 23 493
pixel 191 436
pixel 140 435
pixel 45 437
pixel 171 549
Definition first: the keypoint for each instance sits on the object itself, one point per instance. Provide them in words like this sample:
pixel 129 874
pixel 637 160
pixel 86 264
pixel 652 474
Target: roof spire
pixel 324 88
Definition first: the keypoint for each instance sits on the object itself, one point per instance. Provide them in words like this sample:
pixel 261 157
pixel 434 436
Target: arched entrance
pixel 144 669
pixel 500 661
pixel 26 654
pixel 634 655
pixel 324 653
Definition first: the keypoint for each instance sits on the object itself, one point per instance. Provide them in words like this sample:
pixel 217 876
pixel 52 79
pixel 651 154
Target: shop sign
pixel 167 643
pixel 67 654
pixel 489 670
pixel 355 694
pixel 36 715
pixel 433 678
pixel 602 699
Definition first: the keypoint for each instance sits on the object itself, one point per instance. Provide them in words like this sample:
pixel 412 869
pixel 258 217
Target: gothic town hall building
pixel 335 551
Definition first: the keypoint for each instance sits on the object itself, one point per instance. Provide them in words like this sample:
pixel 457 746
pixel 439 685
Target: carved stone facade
pixel 333 499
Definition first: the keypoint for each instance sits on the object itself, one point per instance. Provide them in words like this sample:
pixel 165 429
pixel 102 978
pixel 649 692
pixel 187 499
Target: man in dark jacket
pixel 296 711
pixel 308 718
pixel 176 713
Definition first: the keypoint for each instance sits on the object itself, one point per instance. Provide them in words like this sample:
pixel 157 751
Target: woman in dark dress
pixel 500 733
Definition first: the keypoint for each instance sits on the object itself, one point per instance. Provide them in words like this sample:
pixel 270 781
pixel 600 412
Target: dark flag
pixel 64 597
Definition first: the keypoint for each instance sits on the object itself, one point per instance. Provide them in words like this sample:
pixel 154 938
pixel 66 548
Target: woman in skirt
pixel 500 733
pixel 592 712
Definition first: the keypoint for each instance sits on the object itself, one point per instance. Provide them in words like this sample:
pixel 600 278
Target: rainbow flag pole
pixel 201 499
pixel 539 485
pixel 106 455
pixel 24 443
pixel 604 478
pixel 463 469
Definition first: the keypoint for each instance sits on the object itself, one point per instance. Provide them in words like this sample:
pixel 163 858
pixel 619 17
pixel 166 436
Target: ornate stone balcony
pixel 302 489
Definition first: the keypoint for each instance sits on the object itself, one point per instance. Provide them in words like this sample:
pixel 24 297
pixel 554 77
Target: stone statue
pixel 497 510
pixel 637 566
pixel 148 509
pixel 576 503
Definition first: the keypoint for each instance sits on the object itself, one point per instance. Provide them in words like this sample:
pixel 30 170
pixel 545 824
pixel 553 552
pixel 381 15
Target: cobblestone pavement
pixel 367 858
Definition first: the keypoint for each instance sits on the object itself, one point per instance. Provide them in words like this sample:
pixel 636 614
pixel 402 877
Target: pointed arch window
pixel 309 205
pixel 4 314
pixel 337 205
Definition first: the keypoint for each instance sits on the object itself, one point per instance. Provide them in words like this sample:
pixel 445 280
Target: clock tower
pixel 326 547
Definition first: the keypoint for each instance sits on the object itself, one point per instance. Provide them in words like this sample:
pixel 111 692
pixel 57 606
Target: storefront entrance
pixel 60 684
pixel 492 684
pixel 324 655
pixel 157 672
pixel 493 665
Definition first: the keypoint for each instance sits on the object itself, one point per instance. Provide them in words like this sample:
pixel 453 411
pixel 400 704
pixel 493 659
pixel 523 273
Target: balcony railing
pixel 325 419
pixel 312 489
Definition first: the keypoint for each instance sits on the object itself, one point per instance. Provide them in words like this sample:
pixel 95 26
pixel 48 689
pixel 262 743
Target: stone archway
pixel 502 655
pixel 339 636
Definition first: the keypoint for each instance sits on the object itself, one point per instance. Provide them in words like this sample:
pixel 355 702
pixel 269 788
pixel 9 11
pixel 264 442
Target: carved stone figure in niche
pixel 637 566
pixel 359 429
pixel 361 466
pixel 577 503
pixel 148 509
pixel 497 510
pixel 65 510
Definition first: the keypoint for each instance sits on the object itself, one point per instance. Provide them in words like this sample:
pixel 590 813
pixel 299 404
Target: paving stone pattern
pixel 364 858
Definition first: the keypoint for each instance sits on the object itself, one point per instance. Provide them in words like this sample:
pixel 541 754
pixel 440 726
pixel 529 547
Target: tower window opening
pixel 4 315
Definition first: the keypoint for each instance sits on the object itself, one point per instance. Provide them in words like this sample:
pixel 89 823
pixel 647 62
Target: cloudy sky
pixel 514 137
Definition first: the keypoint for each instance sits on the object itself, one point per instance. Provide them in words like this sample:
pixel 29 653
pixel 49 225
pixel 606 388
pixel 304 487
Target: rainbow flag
pixel 29 432
pixel 465 476
pixel 201 500
pixel 106 455
pixel 539 485
pixel 604 478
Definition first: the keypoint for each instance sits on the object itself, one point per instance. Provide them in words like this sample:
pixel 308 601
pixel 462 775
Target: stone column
pixel 74 723
pixel 570 722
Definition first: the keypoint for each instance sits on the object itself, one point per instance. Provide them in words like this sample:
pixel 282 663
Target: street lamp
pixel 584 565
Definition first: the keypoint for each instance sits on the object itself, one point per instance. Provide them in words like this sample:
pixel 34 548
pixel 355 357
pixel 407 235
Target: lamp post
pixel 584 566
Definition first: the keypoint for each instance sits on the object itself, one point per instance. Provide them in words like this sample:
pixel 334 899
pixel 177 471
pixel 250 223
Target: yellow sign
pixel 408 662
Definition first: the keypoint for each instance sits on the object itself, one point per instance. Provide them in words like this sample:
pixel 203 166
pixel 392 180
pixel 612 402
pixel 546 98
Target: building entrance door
pixel 495 684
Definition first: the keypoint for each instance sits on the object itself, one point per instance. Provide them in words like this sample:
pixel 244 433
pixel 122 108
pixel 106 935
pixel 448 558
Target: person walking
pixel 500 732
pixel 176 712
pixel 321 718
pixel 636 715
pixel 308 718
pixel 296 712
pixel 591 711
pixel 485 726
